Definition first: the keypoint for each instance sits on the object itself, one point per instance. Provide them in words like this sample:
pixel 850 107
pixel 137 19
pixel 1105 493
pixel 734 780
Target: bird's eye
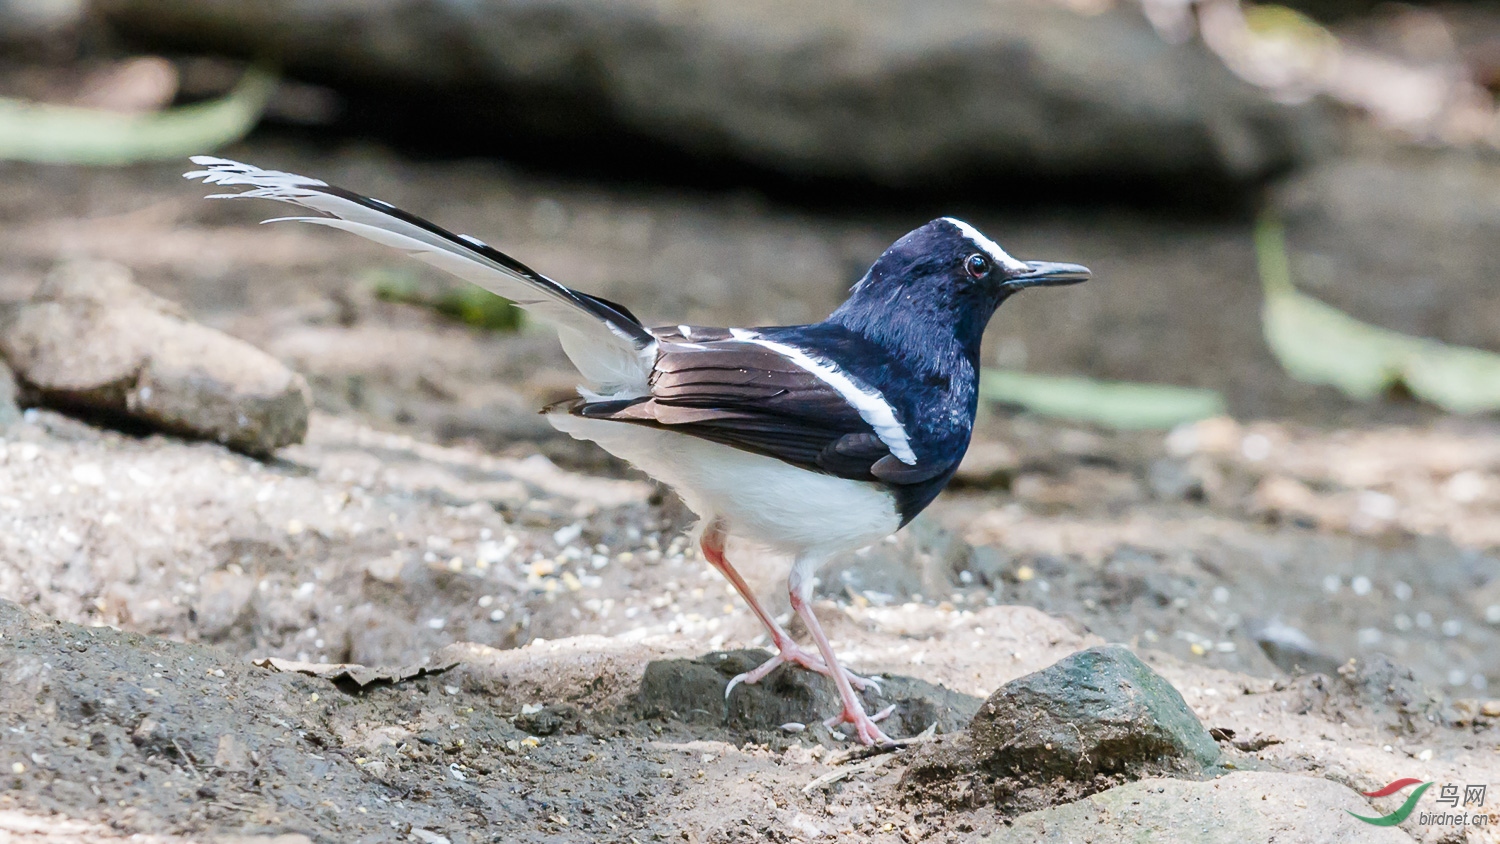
pixel 977 265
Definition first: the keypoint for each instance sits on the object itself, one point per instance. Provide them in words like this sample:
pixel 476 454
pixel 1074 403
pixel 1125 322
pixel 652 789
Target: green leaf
pixel 1319 344
pixel 465 303
pixel 480 308
pixel 55 134
pixel 1112 404
pixel 400 285
pixel 1455 378
pixel 1269 21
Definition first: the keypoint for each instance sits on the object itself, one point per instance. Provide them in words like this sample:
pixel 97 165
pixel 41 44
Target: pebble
pixel 386 569
pixel 565 535
pixel 1255 447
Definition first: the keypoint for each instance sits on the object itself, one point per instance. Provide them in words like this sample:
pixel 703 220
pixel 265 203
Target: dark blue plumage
pixel 912 329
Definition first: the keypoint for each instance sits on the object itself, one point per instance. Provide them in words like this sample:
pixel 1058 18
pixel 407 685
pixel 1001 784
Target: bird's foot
pixel 793 654
pixel 864 725
pixel 813 661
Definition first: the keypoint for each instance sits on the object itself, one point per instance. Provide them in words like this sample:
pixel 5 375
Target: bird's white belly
pixel 761 498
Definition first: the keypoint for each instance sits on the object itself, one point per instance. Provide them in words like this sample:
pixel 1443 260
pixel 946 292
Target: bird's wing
pixel 734 387
pixel 610 347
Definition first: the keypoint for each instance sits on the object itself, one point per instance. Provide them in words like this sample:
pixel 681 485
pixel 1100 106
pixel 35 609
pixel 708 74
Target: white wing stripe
pixel 868 401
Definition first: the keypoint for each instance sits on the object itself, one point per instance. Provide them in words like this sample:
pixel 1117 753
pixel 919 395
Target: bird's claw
pixel 864 725
pixel 756 674
pixel 862 683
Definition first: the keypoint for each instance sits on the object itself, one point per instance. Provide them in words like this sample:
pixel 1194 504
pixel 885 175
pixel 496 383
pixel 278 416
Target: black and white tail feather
pixel 612 350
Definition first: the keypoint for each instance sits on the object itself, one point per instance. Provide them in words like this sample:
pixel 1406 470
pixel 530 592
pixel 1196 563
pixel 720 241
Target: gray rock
pixel 1089 721
pixel 1101 710
pixel 10 408
pixel 1406 239
pixel 1372 690
pixel 894 92
pixel 1243 806
pixel 91 341
pixel 692 690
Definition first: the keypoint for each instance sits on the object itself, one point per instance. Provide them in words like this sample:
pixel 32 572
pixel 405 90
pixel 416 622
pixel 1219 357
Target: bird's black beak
pixel 1048 274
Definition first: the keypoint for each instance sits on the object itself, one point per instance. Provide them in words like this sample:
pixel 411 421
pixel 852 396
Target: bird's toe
pixel 864 726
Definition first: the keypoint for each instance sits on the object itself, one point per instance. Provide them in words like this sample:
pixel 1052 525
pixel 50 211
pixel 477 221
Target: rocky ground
pixel 429 519
pixel 282 559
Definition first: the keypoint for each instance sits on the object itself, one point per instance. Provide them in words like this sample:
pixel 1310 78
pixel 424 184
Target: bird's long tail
pixel 610 347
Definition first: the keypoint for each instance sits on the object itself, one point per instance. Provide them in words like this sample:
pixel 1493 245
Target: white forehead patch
pixel 989 247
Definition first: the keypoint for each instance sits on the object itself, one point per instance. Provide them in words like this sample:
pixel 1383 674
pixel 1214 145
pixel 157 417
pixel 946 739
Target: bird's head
pixel 943 277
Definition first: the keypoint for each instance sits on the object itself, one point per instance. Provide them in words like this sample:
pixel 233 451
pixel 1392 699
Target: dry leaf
pixel 360 675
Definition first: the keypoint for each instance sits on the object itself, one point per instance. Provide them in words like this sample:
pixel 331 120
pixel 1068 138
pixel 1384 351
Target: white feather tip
pixel 223 171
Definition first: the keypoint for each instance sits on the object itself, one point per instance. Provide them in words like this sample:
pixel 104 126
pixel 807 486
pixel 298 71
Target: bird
pixel 808 440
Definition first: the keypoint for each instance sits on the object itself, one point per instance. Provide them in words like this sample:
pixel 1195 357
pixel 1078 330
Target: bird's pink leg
pixel 799 585
pixel 787 649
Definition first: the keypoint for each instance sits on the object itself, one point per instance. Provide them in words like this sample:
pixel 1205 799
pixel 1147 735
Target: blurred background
pixel 1263 438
